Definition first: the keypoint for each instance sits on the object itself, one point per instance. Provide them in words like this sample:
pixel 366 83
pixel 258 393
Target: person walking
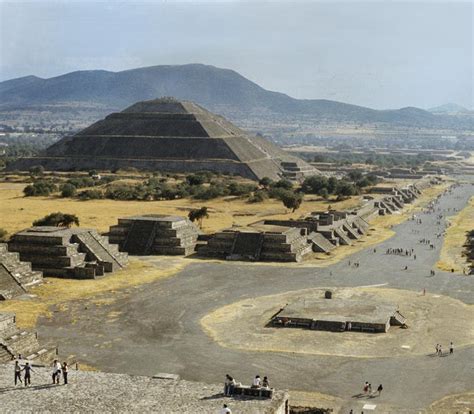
pixel 451 348
pixel 370 389
pixel 380 389
pixel 27 368
pixel 440 350
pixel 56 371
pixel 17 372
pixel 366 387
pixel 65 370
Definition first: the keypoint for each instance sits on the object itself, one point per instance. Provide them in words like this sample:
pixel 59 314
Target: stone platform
pixel 259 243
pixel 338 315
pixel 68 252
pixel 99 392
pixel 155 234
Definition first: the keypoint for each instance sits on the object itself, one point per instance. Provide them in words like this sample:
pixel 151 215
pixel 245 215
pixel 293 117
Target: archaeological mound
pixel 173 136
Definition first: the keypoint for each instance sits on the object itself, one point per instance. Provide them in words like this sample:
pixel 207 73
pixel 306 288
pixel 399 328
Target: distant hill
pixel 220 90
pixel 449 108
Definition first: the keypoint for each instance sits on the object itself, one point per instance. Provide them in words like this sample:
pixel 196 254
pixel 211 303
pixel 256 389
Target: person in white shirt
pixel 256 382
pixel 56 371
pixel 225 410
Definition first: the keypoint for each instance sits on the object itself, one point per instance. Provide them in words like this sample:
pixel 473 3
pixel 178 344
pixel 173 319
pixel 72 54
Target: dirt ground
pixel 55 294
pixel 18 212
pixel 458 403
pixel 431 319
pixel 452 253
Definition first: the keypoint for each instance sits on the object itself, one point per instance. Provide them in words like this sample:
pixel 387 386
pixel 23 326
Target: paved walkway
pixel 158 328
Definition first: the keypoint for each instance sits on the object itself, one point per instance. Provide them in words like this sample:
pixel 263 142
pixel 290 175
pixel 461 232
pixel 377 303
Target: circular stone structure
pixel 431 319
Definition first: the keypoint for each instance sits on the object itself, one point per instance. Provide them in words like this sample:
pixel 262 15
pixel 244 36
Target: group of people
pixel 230 384
pixel 439 349
pixel 400 251
pixel 58 369
pixel 368 389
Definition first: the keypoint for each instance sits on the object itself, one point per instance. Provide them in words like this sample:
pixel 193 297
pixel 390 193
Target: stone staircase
pixel 319 243
pixel 140 238
pixel 15 276
pixel 343 237
pixel 98 249
pixel 398 319
pixel 15 342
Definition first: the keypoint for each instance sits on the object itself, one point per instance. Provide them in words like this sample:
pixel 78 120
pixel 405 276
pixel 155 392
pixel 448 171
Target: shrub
pixel 68 190
pixel 39 188
pixel 196 179
pixel 237 189
pixel 258 197
pixel 58 219
pixel 292 200
pixel 90 195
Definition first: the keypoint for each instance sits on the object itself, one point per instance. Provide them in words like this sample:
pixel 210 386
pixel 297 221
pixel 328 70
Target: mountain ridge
pixel 221 90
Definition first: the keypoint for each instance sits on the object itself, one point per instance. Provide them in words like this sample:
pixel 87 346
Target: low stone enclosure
pixel 15 342
pixel 16 277
pixel 155 234
pixel 338 315
pixel 67 252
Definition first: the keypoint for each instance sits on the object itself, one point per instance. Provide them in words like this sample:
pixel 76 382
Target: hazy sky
pixel 382 54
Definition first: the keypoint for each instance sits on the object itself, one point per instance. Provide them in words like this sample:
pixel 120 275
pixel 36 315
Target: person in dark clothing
pixel 65 372
pixel 380 389
pixel 27 368
pixel 17 372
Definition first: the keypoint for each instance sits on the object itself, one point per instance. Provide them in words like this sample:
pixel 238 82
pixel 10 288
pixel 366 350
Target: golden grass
pixel 58 292
pixel 451 256
pixel 19 212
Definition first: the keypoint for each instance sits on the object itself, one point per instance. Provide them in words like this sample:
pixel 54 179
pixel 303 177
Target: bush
pixel 214 191
pixel 285 184
pixel 237 189
pixel 90 195
pixel 39 188
pixel 68 190
pixel 125 192
pixel 196 179
pixel 292 200
pixel 37 170
pixel 58 219
pixel 258 197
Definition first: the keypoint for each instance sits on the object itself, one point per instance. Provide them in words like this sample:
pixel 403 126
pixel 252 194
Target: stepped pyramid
pixel 71 253
pixel 15 276
pixel 155 234
pixel 172 136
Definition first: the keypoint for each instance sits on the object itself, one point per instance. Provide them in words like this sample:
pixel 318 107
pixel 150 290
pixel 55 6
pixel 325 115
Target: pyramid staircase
pixel 15 276
pixel 140 238
pixel 15 342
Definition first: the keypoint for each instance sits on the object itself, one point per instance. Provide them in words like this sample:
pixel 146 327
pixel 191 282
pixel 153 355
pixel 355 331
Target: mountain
pixel 449 108
pixel 220 90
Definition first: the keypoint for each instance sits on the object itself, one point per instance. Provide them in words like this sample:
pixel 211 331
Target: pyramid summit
pixel 173 136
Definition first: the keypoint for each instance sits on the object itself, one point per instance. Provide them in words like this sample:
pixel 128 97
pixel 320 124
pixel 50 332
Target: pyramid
pixel 170 136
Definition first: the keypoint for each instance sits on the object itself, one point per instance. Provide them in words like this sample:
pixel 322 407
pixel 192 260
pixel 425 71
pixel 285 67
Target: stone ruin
pixel 155 234
pixel 16 277
pixel 67 252
pixel 338 315
pixel 172 136
pixel 15 341
pixel 259 242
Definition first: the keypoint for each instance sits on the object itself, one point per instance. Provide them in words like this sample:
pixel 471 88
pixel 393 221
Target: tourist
pixel 56 371
pixel 65 370
pixel 380 389
pixel 27 368
pixel 229 385
pixel 451 348
pixel 256 382
pixel 370 389
pixel 17 372
pixel 440 350
pixel 225 410
pixel 366 387
pixel 265 383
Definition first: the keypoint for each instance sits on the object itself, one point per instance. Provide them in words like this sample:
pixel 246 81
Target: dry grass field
pixel 451 256
pixel 18 212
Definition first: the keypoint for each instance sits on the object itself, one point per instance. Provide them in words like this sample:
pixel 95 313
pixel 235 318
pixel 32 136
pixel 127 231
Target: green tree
pixel 68 190
pixel 198 215
pixel 292 200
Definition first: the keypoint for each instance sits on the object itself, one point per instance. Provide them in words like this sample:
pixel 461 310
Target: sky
pixel 380 53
